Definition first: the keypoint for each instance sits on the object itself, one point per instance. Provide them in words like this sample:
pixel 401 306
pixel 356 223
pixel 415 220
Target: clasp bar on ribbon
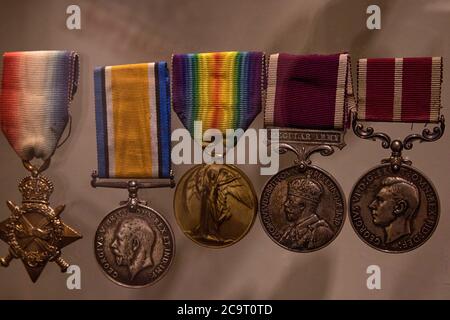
pixel 133 186
pixel 305 142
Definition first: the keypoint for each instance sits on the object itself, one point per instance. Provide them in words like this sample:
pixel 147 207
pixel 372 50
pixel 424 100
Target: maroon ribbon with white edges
pixel 399 89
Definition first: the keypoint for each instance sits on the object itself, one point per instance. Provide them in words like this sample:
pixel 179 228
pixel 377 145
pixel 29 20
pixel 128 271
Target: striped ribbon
pixel 132 108
pixel 223 89
pixel 37 88
pixel 399 89
pixel 308 91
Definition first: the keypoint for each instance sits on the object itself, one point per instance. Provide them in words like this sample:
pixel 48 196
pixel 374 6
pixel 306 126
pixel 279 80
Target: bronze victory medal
pixel 215 205
pixel 394 211
pixel 302 209
pixel 134 249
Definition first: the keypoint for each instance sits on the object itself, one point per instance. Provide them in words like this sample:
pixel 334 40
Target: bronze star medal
pixel 34 231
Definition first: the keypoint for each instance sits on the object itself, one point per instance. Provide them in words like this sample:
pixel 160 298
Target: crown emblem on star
pixel 36 189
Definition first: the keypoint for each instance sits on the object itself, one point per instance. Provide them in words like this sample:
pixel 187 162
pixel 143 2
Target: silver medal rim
pixel 250 226
pixel 387 250
pixel 338 231
pixel 162 275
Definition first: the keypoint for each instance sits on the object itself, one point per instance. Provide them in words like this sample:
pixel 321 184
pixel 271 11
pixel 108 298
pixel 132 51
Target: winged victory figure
pixel 213 185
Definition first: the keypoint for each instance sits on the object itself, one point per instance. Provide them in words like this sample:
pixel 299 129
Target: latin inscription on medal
pixel 134 248
pixel 334 138
pixel 394 211
pixel 302 211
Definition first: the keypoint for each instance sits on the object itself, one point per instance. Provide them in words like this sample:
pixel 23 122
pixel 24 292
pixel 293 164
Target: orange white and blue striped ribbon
pixel 132 105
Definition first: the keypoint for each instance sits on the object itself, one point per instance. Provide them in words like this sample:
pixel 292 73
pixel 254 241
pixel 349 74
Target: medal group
pixel 309 99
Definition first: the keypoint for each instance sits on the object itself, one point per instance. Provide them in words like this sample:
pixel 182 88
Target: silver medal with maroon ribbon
pixel 394 207
pixel 303 207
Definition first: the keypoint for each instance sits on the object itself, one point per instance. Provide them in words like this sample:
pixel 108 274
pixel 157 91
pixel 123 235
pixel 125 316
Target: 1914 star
pixel 34 231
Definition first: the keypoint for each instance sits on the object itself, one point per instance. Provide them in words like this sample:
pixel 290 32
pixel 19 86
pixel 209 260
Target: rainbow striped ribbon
pixel 37 88
pixel 223 89
pixel 132 108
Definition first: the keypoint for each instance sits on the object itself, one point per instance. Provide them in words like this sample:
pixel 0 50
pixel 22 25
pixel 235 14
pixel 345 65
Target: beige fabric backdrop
pixel 117 32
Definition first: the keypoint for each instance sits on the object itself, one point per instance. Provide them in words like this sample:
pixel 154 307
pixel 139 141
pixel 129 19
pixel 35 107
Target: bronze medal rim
pixel 250 225
pixel 344 216
pixel 162 275
pixel 408 167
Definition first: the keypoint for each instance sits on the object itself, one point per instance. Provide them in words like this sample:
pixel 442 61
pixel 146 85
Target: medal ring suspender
pixel 396 90
pixel 134 244
pixel 302 208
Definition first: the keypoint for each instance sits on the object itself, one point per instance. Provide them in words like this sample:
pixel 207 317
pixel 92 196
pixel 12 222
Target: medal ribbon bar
pixel 37 89
pixel 132 108
pixel 399 90
pixel 308 98
pixel 221 89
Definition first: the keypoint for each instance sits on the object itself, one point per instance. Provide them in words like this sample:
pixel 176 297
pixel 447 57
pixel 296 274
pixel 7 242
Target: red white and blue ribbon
pixel 37 88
